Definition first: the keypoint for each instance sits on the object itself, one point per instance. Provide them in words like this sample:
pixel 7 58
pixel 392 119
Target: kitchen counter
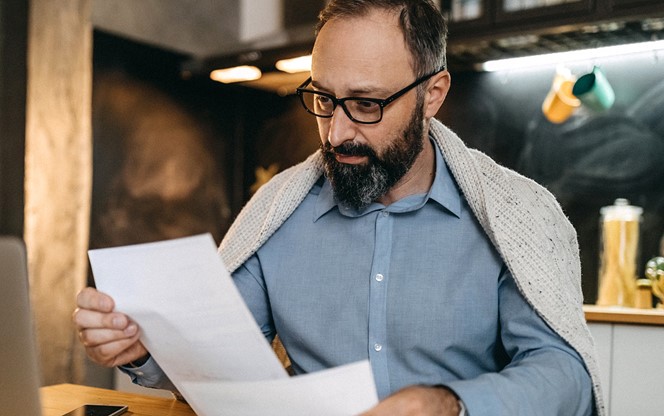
pixel 628 342
pixel 615 314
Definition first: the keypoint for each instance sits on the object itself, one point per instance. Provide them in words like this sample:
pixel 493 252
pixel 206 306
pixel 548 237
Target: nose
pixel 341 128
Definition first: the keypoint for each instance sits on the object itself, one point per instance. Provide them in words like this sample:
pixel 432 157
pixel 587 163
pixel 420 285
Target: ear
pixel 437 90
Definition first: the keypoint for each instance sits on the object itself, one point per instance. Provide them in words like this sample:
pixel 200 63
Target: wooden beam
pixel 58 176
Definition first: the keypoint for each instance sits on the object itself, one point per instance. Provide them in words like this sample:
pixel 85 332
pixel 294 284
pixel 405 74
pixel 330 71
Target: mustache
pixel 349 149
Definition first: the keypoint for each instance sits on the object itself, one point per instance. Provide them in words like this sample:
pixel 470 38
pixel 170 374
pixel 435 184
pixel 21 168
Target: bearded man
pixel 456 278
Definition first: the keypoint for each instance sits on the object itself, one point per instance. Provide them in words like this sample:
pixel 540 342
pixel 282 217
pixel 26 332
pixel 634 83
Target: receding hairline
pixel 365 11
pixel 360 12
pixel 421 24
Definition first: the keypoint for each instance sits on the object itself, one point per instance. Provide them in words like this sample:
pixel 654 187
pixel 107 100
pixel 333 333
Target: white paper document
pixel 340 391
pixel 197 327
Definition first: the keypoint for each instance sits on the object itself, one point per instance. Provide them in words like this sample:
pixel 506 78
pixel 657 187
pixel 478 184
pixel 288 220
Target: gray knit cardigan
pixel 522 219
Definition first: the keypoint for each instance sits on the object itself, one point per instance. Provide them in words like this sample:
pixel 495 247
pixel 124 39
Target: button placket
pixel 377 335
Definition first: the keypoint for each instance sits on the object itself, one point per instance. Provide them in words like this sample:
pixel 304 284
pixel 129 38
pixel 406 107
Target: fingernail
pixel 131 329
pixel 118 322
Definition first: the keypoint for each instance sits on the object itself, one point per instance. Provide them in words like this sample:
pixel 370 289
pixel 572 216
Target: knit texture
pixel 520 217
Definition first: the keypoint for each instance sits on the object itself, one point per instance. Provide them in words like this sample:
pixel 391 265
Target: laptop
pixel 19 377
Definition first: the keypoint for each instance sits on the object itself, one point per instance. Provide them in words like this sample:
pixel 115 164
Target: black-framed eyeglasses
pixel 359 109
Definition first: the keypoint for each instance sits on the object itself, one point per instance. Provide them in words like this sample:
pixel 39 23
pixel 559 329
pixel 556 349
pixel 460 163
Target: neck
pixel 417 180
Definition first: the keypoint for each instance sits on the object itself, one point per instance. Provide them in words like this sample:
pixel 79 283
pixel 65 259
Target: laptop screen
pixel 19 378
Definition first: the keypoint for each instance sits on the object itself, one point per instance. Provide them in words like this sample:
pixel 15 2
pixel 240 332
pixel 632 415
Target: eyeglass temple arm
pixel 411 86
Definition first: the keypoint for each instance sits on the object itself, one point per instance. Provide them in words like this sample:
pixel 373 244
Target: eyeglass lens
pixel 359 109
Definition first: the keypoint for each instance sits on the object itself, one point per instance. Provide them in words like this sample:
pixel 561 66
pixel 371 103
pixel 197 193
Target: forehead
pixel 361 52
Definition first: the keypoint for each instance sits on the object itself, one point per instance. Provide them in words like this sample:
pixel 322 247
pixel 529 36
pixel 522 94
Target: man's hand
pixel 110 338
pixel 418 400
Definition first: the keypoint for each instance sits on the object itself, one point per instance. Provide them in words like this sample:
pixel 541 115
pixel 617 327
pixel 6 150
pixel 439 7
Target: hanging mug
pixel 594 90
pixel 560 103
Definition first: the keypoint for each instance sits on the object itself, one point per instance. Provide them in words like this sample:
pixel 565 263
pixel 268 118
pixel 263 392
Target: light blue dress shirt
pixel 418 289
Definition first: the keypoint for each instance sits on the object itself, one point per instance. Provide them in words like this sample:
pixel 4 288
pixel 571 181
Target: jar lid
pixel 643 283
pixel 621 210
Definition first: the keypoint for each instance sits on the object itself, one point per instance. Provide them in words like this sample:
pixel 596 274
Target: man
pixel 458 279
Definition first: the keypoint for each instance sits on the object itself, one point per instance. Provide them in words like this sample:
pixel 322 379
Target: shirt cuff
pixel 144 374
pixel 462 408
pixel 149 375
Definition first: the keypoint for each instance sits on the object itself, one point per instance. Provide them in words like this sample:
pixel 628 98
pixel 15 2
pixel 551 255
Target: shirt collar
pixel 444 191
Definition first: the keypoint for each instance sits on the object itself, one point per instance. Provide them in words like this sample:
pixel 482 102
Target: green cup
pixel 594 90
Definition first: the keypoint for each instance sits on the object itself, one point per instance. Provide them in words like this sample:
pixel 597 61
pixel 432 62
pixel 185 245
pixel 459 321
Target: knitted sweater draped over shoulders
pixel 520 217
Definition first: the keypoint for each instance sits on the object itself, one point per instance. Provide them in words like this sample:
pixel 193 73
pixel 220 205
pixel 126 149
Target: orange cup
pixel 560 103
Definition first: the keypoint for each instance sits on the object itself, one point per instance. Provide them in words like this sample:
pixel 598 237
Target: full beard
pixel 357 186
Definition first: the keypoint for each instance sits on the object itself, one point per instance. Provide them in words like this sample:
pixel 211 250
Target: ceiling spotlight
pixel 236 74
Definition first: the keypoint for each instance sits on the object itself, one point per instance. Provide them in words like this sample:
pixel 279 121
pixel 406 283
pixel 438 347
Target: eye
pixel 365 106
pixel 323 101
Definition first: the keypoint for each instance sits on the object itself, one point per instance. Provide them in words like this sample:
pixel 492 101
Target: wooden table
pixel 62 398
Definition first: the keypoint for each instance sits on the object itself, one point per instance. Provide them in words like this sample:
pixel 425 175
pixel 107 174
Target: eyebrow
pixel 357 91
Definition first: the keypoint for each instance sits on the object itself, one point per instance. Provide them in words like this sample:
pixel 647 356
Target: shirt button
pixel 140 373
pixel 385 213
pixel 377 347
pixel 379 277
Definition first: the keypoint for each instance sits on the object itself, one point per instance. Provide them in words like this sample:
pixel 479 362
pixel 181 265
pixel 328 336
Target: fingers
pixel 117 352
pixel 95 310
pixel 92 337
pixel 109 347
pixel 110 338
pixel 133 353
pixel 86 318
pixel 91 298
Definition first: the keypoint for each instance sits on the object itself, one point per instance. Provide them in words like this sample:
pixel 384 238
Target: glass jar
pixel 618 253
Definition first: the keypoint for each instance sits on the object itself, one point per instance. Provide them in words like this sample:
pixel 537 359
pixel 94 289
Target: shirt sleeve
pixel 149 375
pixel 249 281
pixel 545 376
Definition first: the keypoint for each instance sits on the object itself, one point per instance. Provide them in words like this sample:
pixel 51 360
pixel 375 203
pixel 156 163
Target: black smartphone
pixel 97 410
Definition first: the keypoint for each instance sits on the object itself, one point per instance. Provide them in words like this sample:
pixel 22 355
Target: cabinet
pixel 631 367
pixel 468 10
pixel 468 14
pixel 514 15
pixel 617 4
pixel 491 29
pixel 522 10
